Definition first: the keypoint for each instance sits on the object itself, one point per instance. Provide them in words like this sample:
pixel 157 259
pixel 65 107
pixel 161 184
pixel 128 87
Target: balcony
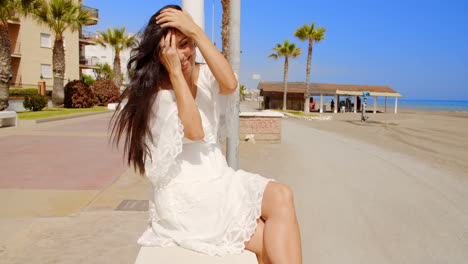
pixel 89 62
pixel 16 49
pixel 14 20
pixel 16 81
pixel 93 13
pixel 87 37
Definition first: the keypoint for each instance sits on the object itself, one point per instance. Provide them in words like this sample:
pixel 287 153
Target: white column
pixel 355 104
pixel 234 59
pixel 385 104
pixel 375 104
pixel 196 9
pixel 321 103
pixel 396 104
pixel 336 104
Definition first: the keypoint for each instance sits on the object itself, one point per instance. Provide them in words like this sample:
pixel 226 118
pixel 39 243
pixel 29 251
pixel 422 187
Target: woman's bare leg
pixel 281 241
pixel 281 236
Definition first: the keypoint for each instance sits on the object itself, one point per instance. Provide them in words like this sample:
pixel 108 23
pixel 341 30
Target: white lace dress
pixel 198 202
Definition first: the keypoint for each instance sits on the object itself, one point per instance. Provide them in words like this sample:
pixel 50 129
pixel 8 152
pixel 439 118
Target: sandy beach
pixel 439 138
pixel 436 137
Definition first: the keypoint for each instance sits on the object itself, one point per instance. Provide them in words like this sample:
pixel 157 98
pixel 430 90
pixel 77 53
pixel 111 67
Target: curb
pixel 64 117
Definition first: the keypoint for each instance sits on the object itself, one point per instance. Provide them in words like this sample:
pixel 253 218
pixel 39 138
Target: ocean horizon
pixel 435 105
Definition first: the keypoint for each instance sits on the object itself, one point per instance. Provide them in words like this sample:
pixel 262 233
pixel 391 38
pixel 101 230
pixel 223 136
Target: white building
pixel 97 54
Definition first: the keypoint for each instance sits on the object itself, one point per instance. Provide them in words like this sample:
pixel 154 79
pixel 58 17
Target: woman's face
pixel 186 51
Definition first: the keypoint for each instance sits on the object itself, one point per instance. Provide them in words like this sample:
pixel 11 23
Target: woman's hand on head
pixel 177 19
pixel 168 53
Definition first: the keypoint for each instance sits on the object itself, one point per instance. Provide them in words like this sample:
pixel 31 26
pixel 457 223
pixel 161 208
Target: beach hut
pixel 272 93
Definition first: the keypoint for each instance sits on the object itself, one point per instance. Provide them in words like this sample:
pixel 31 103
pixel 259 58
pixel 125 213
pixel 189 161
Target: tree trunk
pixel 307 90
pixel 5 65
pixel 117 78
pixel 225 28
pixel 58 68
pixel 285 85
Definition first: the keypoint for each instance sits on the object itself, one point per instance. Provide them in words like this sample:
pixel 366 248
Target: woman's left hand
pixel 174 18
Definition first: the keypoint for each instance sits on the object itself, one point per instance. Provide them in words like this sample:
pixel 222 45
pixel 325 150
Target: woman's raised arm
pixel 188 111
pixel 219 66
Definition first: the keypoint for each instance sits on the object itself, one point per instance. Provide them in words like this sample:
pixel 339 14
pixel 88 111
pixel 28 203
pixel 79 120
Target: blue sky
pixel 419 48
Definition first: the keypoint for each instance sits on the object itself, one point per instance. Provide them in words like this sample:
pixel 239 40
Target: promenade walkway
pixel 356 203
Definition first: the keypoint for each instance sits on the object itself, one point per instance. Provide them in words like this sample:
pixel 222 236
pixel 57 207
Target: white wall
pixel 102 55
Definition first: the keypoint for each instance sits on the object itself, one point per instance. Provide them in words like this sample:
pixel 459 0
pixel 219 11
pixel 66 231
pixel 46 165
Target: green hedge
pixel 22 92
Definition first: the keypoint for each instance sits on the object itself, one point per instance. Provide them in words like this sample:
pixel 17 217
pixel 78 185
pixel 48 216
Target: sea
pixel 436 105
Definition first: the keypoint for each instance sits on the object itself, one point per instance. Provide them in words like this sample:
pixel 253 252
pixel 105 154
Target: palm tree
pixel 118 40
pixel 287 50
pixel 309 32
pixel 8 10
pixel 225 27
pixel 59 16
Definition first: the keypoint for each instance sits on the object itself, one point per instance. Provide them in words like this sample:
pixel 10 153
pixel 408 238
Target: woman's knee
pixel 277 196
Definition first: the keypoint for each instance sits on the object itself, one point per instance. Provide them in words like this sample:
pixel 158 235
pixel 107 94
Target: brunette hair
pixel 145 73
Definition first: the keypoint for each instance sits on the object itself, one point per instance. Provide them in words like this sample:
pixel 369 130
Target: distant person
pixel 170 127
pixel 312 104
pixel 358 103
pixel 348 104
pixel 332 105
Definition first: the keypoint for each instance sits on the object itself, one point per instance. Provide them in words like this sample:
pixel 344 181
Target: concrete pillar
pixel 232 150
pixel 336 104
pixel 396 104
pixel 196 9
pixel 355 104
pixel 385 104
pixel 375 104
pixel 321 103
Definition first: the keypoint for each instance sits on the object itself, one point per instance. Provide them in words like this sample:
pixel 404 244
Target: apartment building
pixel 31 46
pixel 97 54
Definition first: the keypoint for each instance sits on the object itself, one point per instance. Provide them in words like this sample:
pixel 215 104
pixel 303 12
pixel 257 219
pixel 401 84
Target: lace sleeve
pixel 226 106
pixel 167 142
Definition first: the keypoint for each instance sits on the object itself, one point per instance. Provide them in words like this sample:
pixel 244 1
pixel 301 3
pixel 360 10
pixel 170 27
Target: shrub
pixel 35 102
pixel 103 72
pixel 22 92
pixel 106 92
pixel 78 94
pixel 88 79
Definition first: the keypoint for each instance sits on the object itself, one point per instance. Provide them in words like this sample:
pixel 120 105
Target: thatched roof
pixel 328 88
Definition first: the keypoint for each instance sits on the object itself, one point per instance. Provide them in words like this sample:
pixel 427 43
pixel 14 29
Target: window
pixel 46 70
pixel 45 40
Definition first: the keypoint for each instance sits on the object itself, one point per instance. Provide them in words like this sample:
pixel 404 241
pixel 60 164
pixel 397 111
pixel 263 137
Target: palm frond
pixel 60 15
pixel 273 56
pixel 116 38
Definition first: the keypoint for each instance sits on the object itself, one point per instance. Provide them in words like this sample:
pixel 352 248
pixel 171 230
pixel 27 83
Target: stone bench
pixel 264 126
pixel 8 118
pixel 151 255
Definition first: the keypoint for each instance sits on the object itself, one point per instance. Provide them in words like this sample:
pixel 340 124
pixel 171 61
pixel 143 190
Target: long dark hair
pixel 146 73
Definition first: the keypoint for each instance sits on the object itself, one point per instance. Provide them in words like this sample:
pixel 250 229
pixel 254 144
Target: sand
pixel 435 137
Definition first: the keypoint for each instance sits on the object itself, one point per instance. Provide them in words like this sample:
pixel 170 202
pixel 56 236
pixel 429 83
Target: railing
pixel 16 80
pixel 93 12
pixel 89 61
pixel 87 34
pixel 15 47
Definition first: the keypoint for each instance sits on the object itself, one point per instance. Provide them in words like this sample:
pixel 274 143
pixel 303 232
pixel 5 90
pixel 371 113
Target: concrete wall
pixel 264 129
